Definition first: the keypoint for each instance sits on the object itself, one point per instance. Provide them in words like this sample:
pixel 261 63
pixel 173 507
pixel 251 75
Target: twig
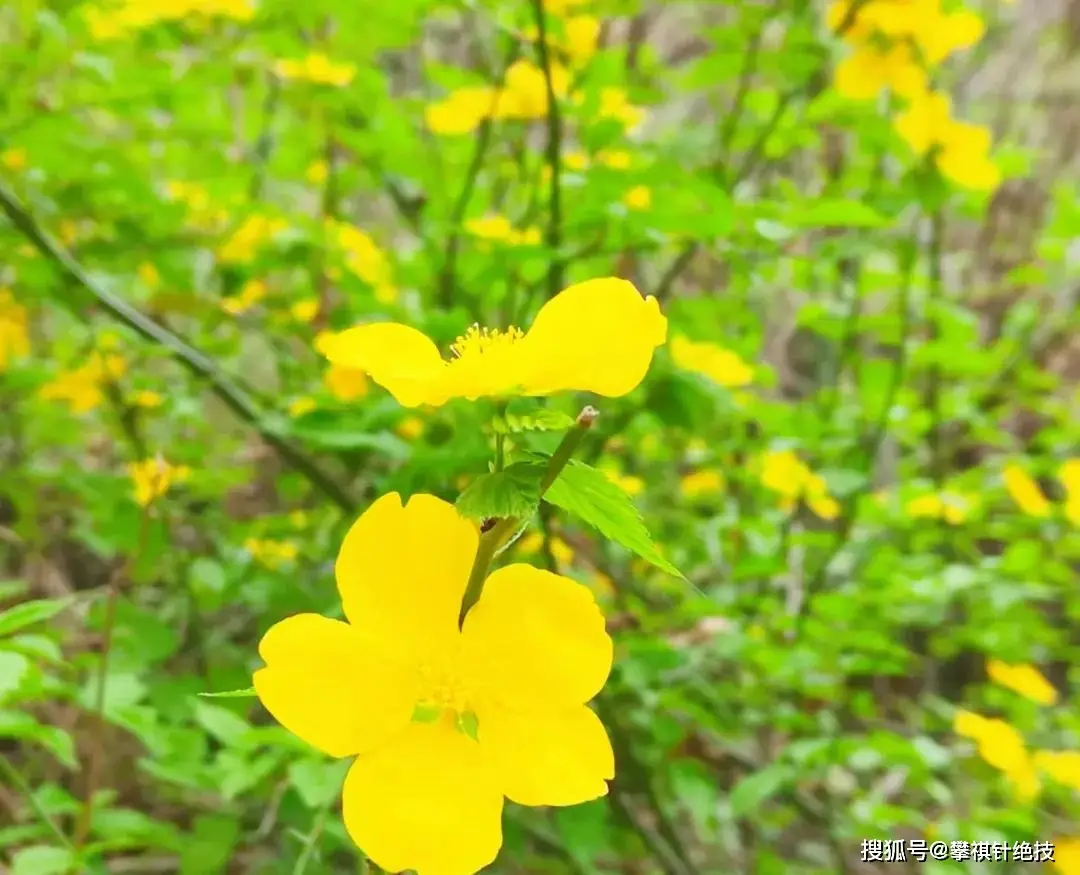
pixel 14 776
pixel 554 148
pixel 235 398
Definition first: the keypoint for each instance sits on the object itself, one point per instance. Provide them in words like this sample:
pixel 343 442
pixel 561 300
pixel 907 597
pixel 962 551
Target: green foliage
pixel 512 492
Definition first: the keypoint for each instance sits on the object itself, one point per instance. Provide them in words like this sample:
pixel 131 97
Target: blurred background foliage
pixel 859 444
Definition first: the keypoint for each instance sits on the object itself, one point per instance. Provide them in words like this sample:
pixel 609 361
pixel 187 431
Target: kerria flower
pixel 445 721
pixel 1023 679
pixel 596 336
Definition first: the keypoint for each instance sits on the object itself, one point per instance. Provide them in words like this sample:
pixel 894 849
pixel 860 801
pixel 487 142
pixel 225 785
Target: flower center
pixel 482 344
pixel 445 697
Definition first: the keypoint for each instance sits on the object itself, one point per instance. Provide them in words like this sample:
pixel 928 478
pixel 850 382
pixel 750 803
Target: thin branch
pixel 234 397
pixel 553 157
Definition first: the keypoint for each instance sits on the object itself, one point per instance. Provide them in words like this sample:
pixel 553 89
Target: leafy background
pixel 168 172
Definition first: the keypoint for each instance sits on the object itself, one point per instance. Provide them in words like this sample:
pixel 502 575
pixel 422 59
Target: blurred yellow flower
pixel 1023 679
pixel 317 172
pixel 628 483
pixel 952 507
pixel 947 33
pixel 462 111
pixel 960 150
pixel 14 329
pixel 147 398
pixel 249 295
pixel 525 92
pixel 582 38
pixel 497 228
pixel 443 721
pixel 15 160
pixel 638 198
pixel 363 257
pixel 1069 475
pixel 1063 766
pixel 1066 851
pixel 596 336
pixel 244 243
pixel 148 275
pixel 561 552
pixel 298 519
pixel 113 20
pixel 1025 492
pixel 786 474
pixel 1001 746
pixel 410 428
pixel 152 478
pixel 700 483
pixel 305 310
pixel 317 68
pixel 615 159
pixel 863 74
pixel 722 366
pixel 82 388
pixel 272 554
pixel 614 104
pixel 345 384
pixel 301 406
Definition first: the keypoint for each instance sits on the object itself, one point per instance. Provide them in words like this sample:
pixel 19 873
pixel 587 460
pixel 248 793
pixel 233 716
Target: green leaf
pixel 221 723
pixel 15 724
pixel 317 782
pixel 540 420
pixel 246 693
pixel 28 613
pixel 589 495
pixel 11 588
pixel 752 791
pixel 468 723
pixel 42 860
pixel 835 213
pixel 426 713
pixel 208 850
pixel 512 492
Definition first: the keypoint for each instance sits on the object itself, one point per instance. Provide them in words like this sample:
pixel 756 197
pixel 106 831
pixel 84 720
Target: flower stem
pixel 494 538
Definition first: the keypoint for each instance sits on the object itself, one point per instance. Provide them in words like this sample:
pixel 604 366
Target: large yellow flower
pixel 596 336
pixel 444 722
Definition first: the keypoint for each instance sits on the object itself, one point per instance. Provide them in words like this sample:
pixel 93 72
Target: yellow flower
pixel 316 68
pixel 363 257
pixel 153 477
pixel 1066 851
pixel 146 398
pixel 317 172
pixel 114 20
pixel 301 406
pixel 1023 679
pixel 948 33
pixel 462 111
pixel 615 105
pixel 1069 475
pixel 1025 492
pixel 720 365
pixel 615 159
pixel 864 73
pixel 305 310
pixel 787 475
pixel 81 388
pixel 410 428
pixel 638 198
pixel 15 160
pixel 952 507
pixel 1000 746
pixel 699 483
pixel 561 7
pixel 443 722
pixel 498 228
pixel 525 92
pixel 960 150
pixel 628 483
pixel 272 554
pixel 573 160
pixel 148 275
pixel 582 37
pixel 596 336
pixel 561 552
pixel 346 384
pixel 245 242
pixel 1061 765
pixel 14 330
pixel 249 295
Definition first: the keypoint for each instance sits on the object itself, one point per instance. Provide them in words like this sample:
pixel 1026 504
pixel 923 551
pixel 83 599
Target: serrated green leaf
pixel 28 613
pixel 221 723
pixel 246 693
pixel 540 420
pixel 41 860
pixel 589 495
pixel 512 492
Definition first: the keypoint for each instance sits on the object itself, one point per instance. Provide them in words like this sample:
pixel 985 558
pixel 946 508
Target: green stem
pixel 20 783
pixel 494 538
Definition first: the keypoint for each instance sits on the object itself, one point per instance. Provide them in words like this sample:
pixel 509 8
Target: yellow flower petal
pixel 548 757
pixel 1023 679
pixel 402 572
pixel 1025 492
pixel 329 686
pixel 428 801
pixel 401 359
pixel 536 639
pixel 1061 765
pixel 596 336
